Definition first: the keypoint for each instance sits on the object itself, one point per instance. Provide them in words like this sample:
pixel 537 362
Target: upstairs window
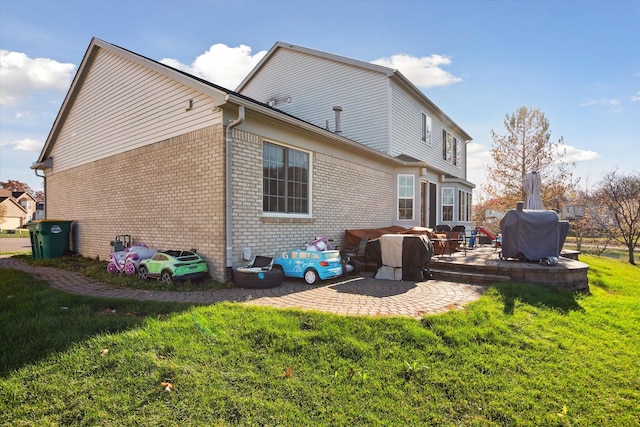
pixel 285 174
pixel 451 149
pixel 426 128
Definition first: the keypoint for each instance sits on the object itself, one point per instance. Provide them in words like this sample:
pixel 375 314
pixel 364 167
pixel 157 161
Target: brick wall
pixel 346 195
pixel 169 195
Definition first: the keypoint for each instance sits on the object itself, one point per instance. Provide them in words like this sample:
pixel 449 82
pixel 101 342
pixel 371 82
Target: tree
pixel 14 185
pixel 620 196
pixel 591 220
pixel 525 148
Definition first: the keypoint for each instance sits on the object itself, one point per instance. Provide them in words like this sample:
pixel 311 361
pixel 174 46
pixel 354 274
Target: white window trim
pixel 464 200
pixel 453 204
pixel 412 198
pixel 451 149
pixel 426 127
pixel 310 201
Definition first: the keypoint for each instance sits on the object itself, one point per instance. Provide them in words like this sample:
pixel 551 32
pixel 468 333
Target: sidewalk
pixel 361 295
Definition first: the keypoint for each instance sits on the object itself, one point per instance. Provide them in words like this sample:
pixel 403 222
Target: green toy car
pixel 168 266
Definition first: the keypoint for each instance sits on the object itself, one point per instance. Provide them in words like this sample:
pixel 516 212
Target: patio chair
pixel 359 252
pixel 458 232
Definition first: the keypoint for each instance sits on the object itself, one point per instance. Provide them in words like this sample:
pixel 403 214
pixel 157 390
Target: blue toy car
pixel 310 265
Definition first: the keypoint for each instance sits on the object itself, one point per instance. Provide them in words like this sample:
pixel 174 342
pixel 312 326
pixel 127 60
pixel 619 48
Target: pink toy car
pixel 129 259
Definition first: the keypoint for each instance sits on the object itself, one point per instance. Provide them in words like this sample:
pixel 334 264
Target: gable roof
pixel 12 200
pixel 390 73
pixel 220 95
pixel 18 194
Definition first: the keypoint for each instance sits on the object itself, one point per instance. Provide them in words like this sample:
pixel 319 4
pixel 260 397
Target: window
pixel 447 204
pixel 405 196
pixel 285 173
pixel 464 205
pixel 447 142
pixel 451 149
pixel 426 128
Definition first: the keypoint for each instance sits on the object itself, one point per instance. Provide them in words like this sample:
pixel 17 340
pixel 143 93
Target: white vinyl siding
pixel 317 84
pixel 123 106
pixel 406 133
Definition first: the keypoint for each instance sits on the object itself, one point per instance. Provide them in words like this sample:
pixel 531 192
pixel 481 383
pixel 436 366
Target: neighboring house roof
pixel 389 72
pixel 220 95
pixel 22 194
pixel 11 200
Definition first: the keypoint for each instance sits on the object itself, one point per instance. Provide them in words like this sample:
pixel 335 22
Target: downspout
pixel 48 163
pixel 229 192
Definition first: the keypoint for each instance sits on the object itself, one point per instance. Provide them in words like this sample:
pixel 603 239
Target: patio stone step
pixel 471 278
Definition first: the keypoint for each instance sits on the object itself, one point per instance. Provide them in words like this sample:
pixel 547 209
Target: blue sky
pixel 578 61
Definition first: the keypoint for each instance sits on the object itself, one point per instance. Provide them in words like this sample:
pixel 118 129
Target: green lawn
pixel 520 356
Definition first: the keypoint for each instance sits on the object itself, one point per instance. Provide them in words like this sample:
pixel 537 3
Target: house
pixel 19 208
pixel 143 149
pixel 39 211
pixel 12 215
pixel 378 107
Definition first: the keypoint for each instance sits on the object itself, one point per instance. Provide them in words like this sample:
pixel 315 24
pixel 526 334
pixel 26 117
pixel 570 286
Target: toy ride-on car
pixel 310 265
pixel 128 260
pixel 168 266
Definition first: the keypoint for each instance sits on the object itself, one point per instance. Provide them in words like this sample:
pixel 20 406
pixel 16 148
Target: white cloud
pixel 21 75
pixel 613 104
pixel 424 72
pixel 572 154
pixel 27 144
pixel 477 156
pixel 636 97
pixel 223 65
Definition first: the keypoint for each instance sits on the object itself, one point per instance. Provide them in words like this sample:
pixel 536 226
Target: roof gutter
pixel 38 166
pixel 229 191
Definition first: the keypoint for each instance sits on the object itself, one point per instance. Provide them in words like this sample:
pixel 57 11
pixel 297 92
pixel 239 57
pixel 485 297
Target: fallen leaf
pixel 168 387
pixel 289 372
pixel 109 311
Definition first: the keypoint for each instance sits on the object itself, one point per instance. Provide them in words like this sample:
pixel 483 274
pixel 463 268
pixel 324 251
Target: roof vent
pixel 338 110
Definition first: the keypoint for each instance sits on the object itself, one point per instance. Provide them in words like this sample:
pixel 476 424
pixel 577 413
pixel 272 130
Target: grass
pixel 519 356
pixel 97 269
pixel 20 232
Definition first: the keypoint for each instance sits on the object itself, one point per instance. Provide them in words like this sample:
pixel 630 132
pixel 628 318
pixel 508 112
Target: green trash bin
pixel 49 237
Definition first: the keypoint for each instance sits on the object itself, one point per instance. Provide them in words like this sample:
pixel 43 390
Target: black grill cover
pixel 532 234
pixel 410 253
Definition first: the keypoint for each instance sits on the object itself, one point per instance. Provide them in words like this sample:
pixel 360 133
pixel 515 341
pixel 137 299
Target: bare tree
pixel 620 196
pixel 595 223
pixel 526 147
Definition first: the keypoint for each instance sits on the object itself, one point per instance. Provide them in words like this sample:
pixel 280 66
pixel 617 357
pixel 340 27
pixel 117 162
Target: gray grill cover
pixel 532 234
